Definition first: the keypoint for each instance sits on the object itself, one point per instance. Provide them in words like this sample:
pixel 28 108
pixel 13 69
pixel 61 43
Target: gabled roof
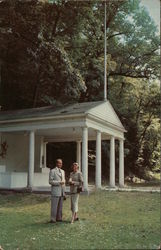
pixel 102 110
pixel 76 108
pixel 106 112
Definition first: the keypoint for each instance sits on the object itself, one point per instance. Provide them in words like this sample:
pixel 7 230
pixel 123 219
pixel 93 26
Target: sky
pixel 153 7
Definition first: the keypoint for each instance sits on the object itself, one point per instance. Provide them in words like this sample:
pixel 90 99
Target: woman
pixel 76 184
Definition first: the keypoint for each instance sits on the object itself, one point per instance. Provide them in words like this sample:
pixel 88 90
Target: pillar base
pixel 86 192
pixel 121 185
pixel 28 189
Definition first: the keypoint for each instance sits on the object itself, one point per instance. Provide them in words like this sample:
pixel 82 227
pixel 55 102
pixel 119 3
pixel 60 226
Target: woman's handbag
pixel 79 189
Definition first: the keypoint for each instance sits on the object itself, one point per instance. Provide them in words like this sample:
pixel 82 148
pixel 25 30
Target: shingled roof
pixel 101 110
pixel 52 110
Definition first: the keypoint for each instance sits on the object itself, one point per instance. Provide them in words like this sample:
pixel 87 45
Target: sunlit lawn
pixel 108 220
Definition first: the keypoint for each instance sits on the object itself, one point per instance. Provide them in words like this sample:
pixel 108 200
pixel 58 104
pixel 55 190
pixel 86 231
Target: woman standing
pixel 76 184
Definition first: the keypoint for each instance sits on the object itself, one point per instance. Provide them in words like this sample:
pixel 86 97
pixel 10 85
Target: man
pixel 57 182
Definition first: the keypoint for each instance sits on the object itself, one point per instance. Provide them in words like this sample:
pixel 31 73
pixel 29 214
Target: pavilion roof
pixel 102 110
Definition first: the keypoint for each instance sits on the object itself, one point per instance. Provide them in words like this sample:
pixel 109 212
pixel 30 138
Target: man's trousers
pixel 56 208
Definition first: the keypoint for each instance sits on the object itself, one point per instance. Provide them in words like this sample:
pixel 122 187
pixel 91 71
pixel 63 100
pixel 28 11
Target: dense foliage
pixel 51 51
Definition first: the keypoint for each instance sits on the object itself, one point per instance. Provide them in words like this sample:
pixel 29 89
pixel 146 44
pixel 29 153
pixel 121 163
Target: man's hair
pixel 58 160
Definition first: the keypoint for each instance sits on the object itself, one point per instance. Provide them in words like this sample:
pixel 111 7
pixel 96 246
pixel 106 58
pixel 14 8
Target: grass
pixel 109 220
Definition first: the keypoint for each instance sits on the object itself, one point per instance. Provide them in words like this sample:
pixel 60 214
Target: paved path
pixel 151 189
pixel 47 189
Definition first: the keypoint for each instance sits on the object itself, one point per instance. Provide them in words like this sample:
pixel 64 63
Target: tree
pixel 132 43
pixel 138 104
pixel 35 65
pixel 52 51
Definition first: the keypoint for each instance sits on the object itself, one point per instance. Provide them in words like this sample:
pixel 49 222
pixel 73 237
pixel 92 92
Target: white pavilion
pixel 27 131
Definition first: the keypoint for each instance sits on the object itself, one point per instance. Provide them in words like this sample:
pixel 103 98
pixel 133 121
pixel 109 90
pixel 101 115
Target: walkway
pixel 46 189
pixel 151 189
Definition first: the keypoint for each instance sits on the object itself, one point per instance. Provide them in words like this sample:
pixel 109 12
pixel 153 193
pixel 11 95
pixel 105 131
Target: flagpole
pixel 105 57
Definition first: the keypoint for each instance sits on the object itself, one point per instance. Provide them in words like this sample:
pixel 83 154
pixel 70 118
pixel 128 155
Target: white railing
pixel 19 179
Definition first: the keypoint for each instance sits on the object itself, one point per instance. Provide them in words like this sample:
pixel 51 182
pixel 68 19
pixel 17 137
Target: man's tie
pixel 60 173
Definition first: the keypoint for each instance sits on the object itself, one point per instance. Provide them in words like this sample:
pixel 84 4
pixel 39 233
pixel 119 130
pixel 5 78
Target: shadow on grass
pixel 20 200
pixel 58 223
pixel 46 224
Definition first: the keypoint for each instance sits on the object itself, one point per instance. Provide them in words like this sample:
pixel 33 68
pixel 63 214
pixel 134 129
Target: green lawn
pixel 109 220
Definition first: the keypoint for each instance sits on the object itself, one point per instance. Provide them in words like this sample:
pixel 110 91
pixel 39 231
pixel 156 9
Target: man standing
pixel 57 182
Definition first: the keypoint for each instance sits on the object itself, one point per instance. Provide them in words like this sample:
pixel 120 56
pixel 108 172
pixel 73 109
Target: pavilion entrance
pixel 63 150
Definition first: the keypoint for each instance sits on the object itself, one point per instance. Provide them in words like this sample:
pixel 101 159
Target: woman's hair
pixel 75 163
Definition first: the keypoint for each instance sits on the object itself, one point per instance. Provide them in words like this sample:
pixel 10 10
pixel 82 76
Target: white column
pixel 98 160
pixel 121 162
pixel 45 143
pixel 41 152
pixel 85 157
pixel 45 170
pixel 31 159
pixel 112 161
pixel 79 154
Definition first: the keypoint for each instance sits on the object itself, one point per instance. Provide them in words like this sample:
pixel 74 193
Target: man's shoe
pixel 59 220
pixel 52 221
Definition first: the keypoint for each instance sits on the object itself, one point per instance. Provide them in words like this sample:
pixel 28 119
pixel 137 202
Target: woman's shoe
pixel 76 219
